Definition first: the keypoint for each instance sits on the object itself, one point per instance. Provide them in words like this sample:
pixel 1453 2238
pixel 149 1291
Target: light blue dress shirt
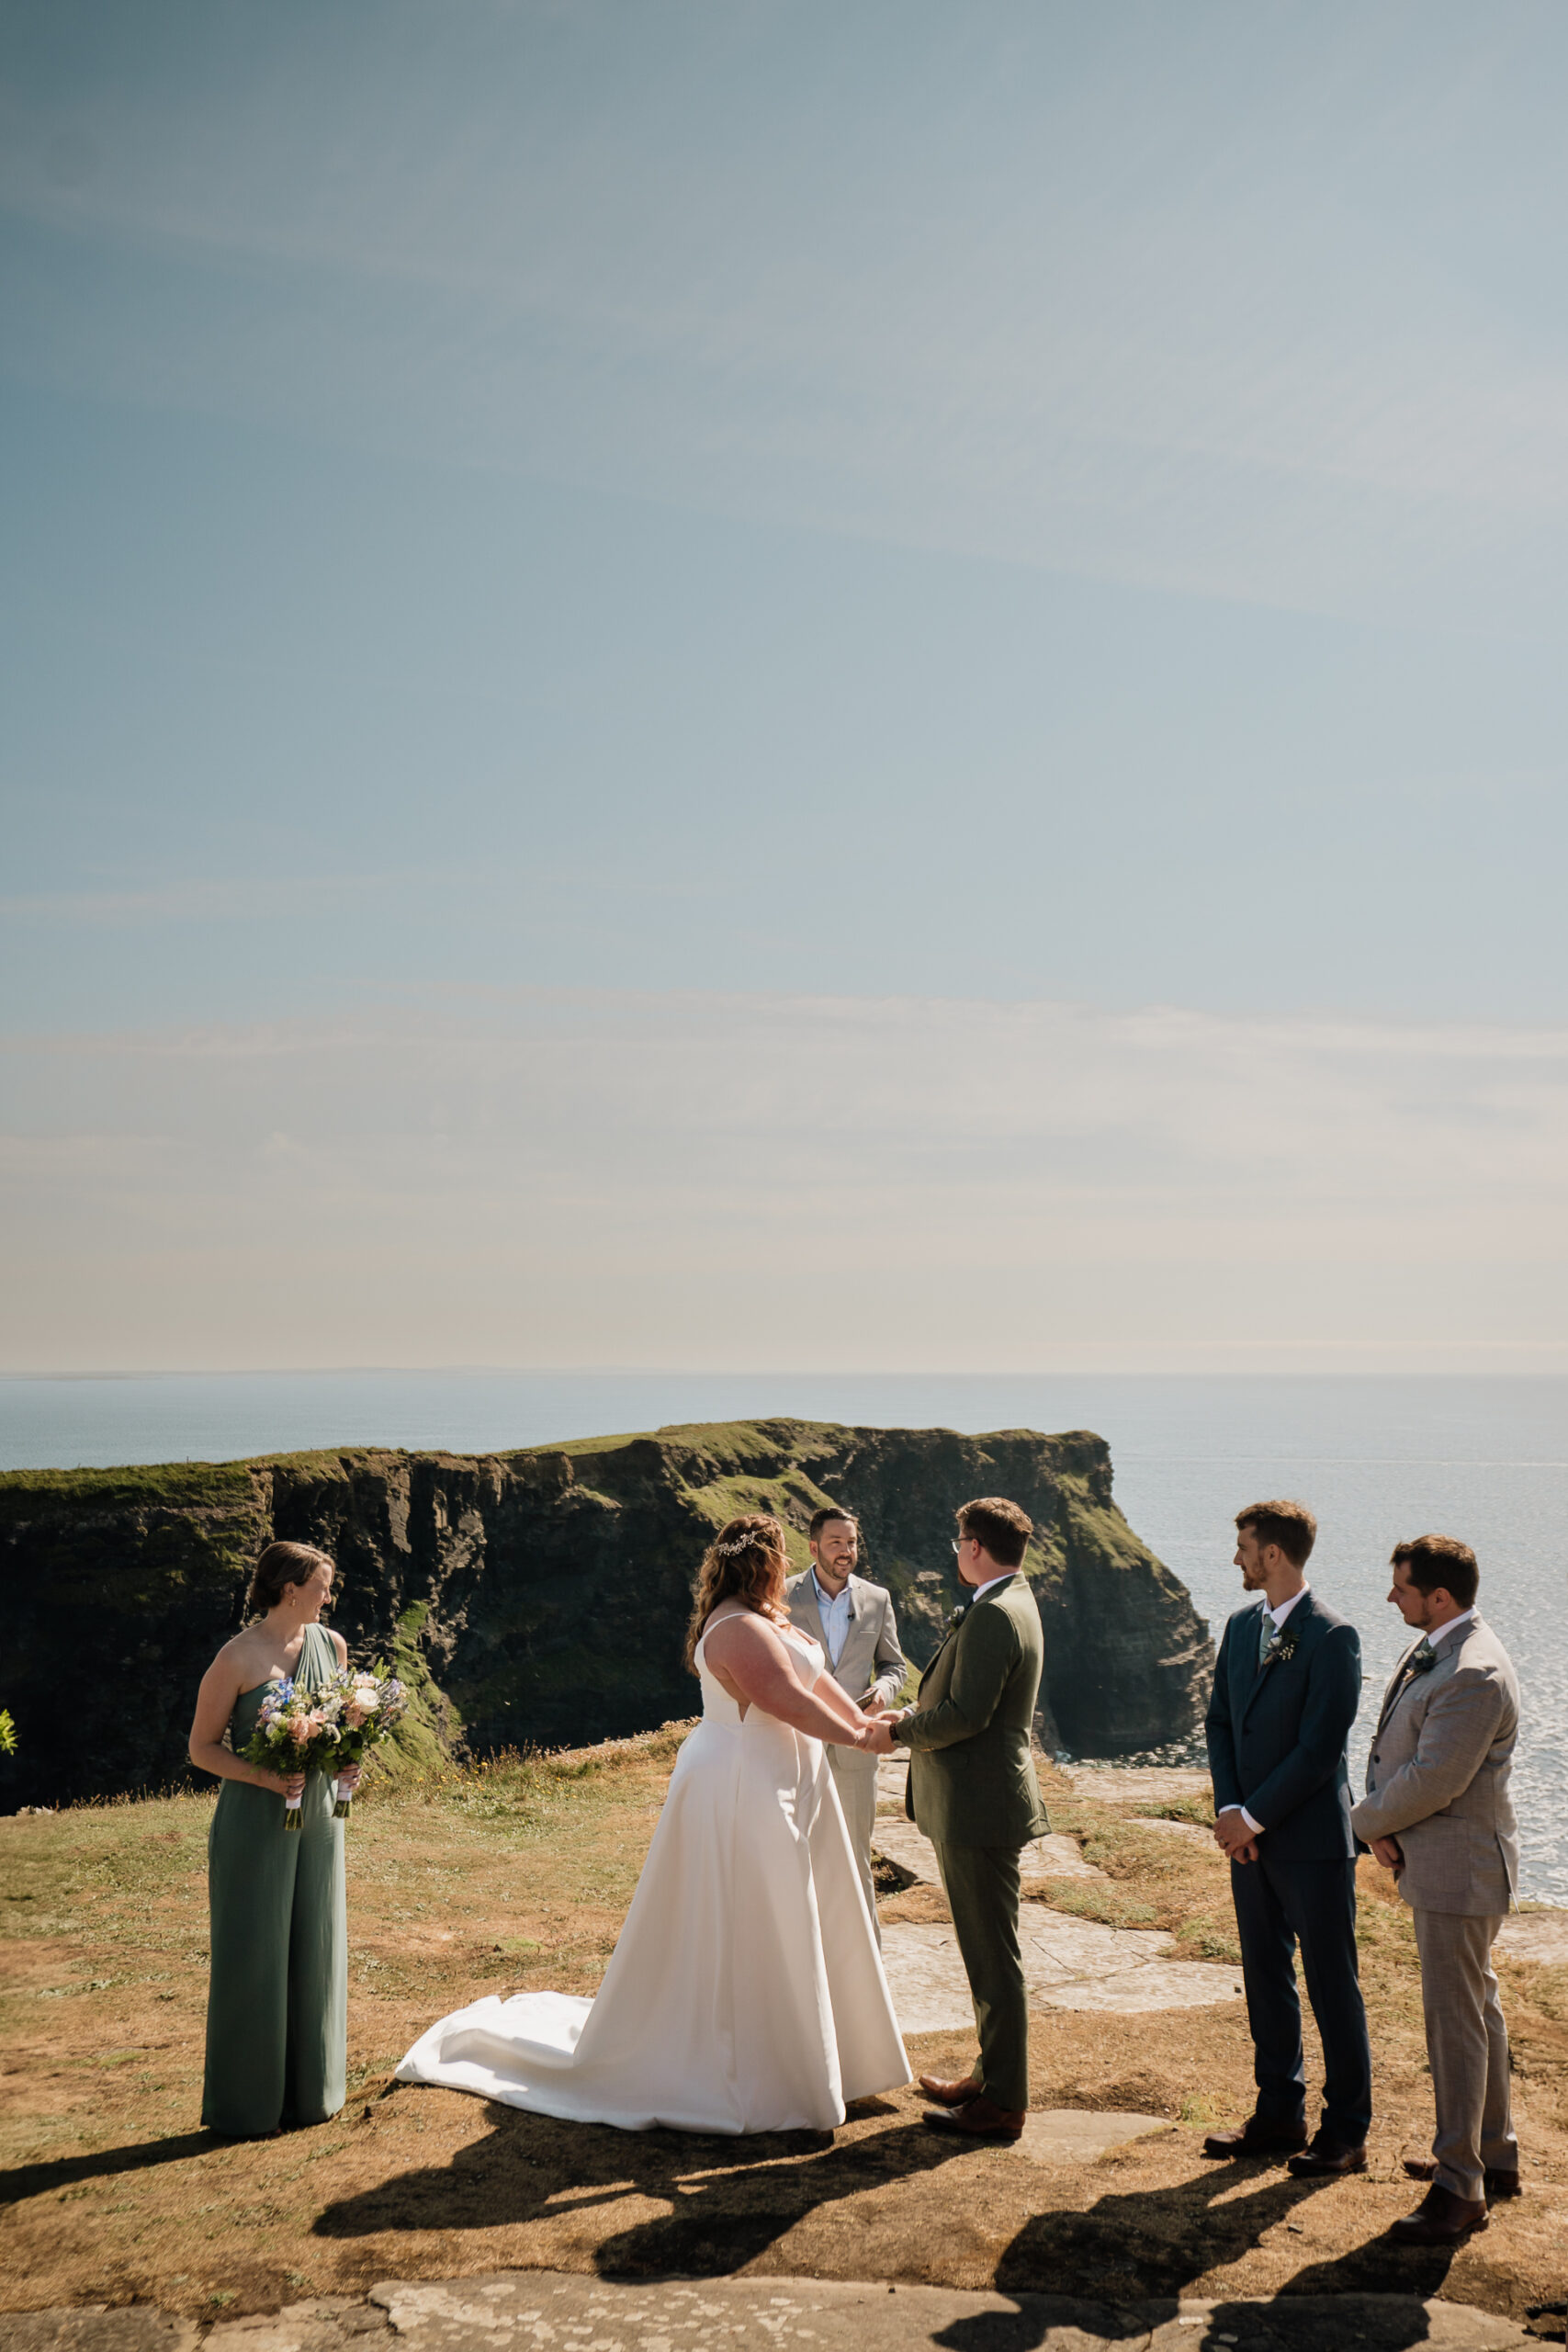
pixel 835 1616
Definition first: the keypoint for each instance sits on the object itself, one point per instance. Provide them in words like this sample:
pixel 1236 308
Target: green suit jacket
pixel 971 1779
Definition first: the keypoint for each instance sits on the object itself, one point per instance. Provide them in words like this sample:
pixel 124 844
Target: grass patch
pixel 516 1874
pixel 1197 1809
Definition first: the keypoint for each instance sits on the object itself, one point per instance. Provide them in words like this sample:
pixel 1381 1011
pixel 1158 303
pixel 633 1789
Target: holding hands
pixel 879 1731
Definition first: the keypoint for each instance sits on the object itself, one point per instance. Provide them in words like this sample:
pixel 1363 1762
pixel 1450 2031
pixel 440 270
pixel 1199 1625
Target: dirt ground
pixel 517 1876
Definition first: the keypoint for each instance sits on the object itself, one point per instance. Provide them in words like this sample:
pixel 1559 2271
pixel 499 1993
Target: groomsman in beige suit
pixel 1438 1813
pixel 852 1619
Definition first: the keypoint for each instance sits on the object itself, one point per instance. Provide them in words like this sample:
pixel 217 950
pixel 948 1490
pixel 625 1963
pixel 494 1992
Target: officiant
pixel 852 1619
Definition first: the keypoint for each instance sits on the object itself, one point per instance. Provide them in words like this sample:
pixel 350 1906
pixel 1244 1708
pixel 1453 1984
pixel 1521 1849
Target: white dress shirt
pixel 834 1611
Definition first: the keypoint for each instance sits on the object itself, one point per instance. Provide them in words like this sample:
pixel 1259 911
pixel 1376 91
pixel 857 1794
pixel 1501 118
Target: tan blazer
pixel 1437 1776
pixel 871 1658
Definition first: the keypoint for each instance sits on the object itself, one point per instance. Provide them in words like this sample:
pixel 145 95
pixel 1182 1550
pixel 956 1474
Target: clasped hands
pixel 1233 1837
pixel 290 1786
pixel 878 1738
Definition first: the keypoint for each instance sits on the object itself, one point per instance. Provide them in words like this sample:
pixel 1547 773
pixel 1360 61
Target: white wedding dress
pixel 746 1993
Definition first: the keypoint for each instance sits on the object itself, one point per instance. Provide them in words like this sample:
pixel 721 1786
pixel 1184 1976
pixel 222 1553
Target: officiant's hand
pixel 1390 1853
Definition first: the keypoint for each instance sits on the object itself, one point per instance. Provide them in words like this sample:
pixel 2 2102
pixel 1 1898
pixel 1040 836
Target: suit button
pixel 1374 1756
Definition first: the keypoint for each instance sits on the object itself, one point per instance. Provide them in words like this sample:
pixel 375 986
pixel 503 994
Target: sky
pixel 857 687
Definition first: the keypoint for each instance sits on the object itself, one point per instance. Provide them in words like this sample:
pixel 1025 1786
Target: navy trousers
pixel 1280 1905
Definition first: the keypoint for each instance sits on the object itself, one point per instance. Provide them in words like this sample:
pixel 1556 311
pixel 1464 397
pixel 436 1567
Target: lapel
pixel 805 1604
pixel 950 1637
pixel 1302 1613
pixel 1243 1673
pixel 1400 1684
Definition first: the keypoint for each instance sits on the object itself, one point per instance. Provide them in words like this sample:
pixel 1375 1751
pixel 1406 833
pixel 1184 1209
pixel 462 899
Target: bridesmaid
pixel 277 2001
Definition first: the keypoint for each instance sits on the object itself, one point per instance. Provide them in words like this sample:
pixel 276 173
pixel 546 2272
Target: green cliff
pixel 540 1598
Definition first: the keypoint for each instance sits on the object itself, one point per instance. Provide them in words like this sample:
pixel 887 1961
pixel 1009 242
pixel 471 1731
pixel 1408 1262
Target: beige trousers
pixel 857 1795
pixel 1467 2045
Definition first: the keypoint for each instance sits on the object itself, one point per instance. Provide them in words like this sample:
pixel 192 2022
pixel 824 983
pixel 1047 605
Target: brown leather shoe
pixel 949 2094
pixel 977 2120
pixel 1496 2184
pixel 1441 2219
pixel 1326 2159
pixel 1257 2138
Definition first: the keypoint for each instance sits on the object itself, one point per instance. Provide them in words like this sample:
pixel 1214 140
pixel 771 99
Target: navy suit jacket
pixel 1277 1738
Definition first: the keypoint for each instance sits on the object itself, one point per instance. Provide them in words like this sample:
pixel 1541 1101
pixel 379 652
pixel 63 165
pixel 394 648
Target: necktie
pixel 1264 1633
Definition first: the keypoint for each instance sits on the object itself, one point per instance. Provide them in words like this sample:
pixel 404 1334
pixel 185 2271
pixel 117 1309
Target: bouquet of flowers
pixel 367 1705
pixel 296 1731
pixel 324 1730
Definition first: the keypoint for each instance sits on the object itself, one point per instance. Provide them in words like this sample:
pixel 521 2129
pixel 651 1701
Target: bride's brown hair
pixel 746 1561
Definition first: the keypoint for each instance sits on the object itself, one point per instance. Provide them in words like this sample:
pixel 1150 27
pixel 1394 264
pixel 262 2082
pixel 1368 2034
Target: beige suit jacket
pixel 1437 1776
pixel 870 1659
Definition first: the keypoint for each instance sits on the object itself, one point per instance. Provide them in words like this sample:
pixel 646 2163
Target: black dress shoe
pixel 1326 2159
pixel 1441 2219
pixel 1257 2138
pixel 1496 2184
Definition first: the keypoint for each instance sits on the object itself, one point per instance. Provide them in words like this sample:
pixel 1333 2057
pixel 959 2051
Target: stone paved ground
pixel 517 2311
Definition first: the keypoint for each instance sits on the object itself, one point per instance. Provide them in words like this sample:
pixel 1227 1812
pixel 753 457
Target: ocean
pixel 1376 1458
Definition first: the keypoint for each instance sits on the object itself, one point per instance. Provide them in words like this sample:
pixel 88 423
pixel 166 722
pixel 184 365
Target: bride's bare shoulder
pixel 756 1626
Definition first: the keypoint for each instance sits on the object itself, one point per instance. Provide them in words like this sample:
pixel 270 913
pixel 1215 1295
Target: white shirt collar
pixel 1283 1610
pixel 1443 1632
pixel 990 1584
pixel 827 1600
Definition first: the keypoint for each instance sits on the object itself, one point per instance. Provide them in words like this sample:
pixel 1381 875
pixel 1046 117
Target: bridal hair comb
pixel 739 1543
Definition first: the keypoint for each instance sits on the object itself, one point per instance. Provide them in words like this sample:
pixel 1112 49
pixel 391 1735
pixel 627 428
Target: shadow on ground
pixel 729 2200
pixel 1159 2241
pixel 138 2155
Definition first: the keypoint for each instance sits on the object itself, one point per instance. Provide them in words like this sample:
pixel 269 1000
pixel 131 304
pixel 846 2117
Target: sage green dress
pixel 277 2003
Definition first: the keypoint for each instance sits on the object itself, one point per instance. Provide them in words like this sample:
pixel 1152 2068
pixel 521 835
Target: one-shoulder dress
pixel 277 2002
pixel 746 1993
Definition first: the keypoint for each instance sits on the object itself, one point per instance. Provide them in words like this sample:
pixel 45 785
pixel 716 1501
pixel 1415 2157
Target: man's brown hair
pixel 830 1510
pixel 1290 1525
pixel 1431 1561
pixel 999 1526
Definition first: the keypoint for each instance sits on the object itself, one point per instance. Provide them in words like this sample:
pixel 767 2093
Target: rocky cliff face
pixel 540 1598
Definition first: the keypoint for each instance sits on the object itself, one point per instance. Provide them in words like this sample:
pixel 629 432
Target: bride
pixel 746 1993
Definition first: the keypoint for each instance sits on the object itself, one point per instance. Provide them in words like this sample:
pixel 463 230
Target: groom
pixel 973 1792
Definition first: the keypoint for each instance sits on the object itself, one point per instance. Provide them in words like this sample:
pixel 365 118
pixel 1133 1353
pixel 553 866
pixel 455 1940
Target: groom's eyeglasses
pixel 959 1542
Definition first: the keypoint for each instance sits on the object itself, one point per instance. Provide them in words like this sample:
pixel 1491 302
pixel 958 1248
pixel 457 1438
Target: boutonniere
pixel 958 1616
pixel 1284 1644
pixel 1423 1657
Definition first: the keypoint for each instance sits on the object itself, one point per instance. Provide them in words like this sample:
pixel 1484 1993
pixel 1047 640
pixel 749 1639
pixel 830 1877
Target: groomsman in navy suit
pixel 1287 1686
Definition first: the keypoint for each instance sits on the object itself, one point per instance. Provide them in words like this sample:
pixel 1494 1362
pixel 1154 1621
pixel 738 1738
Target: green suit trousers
pixel 981 1884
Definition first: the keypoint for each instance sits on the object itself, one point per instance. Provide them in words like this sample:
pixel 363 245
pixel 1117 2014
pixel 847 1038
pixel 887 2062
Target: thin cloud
pixel 630 1167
